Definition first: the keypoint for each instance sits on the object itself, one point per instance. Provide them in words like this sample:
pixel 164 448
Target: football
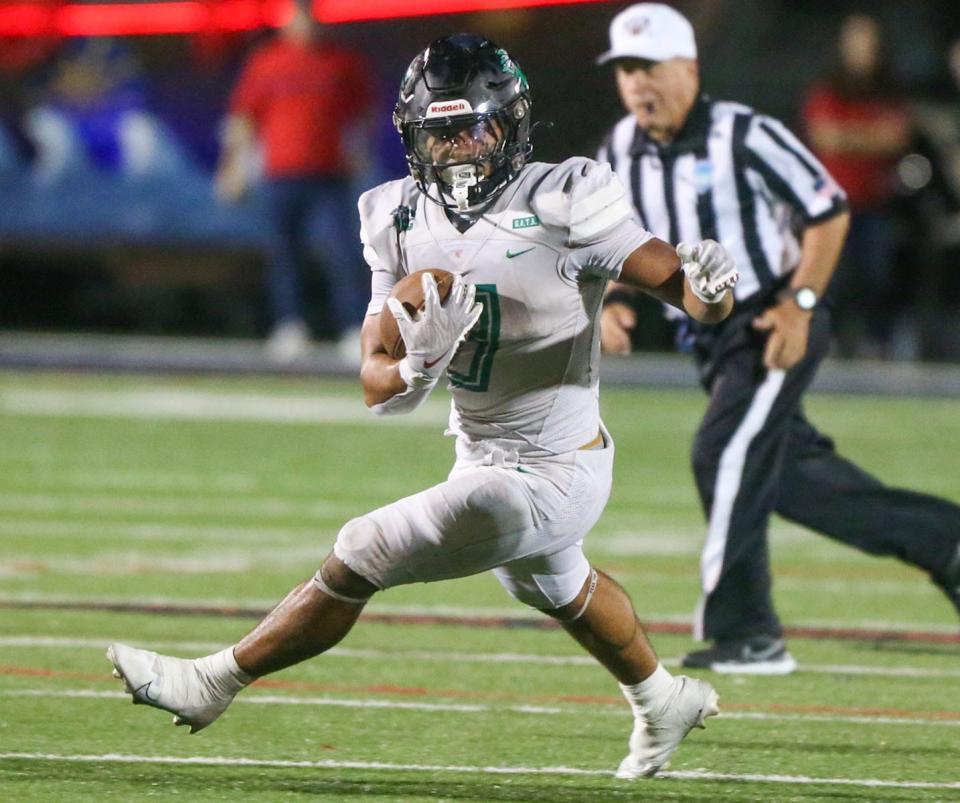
pixel 409 292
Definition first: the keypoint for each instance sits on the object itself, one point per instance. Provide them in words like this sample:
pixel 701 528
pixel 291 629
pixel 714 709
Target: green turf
pixel 232 509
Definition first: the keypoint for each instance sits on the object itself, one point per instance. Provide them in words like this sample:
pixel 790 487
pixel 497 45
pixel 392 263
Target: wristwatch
pixel 803 297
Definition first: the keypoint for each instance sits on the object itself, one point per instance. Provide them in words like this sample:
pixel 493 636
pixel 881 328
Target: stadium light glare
pixel 194 16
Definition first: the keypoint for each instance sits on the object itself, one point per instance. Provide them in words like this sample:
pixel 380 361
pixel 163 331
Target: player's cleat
pixel 757 655
pixel 170 684
pixel 655 737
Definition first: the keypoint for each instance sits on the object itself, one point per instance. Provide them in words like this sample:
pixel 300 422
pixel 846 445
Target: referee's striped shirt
pixel 732 175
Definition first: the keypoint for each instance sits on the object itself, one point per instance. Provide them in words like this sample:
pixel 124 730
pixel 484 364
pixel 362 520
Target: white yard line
pixel 839 719
pixel 61 642
pixel 257 698
pixel 198 405
pixel 276 699
pixel 693 775
pixel 174 505
pixel 139 479
pixel 132 562
pixel 257 534
pixel 58 642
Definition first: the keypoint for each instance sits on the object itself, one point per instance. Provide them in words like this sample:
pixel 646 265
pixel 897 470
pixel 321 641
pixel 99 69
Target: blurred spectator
pixel 307 103
pixel 92 115
pixel 934 172
pixel 859 126
pixel 76 124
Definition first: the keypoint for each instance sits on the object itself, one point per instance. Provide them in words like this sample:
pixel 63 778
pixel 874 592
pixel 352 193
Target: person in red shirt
pixel 307 103
pixel 859 127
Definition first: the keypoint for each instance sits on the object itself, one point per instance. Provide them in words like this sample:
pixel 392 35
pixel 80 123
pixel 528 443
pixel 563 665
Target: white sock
pixel 646 694
pixel 221 673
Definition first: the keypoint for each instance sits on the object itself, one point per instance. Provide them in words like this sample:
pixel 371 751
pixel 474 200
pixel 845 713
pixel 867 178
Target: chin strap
pixel 461 178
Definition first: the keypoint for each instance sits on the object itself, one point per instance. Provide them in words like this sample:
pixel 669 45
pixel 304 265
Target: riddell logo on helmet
pixel 443 108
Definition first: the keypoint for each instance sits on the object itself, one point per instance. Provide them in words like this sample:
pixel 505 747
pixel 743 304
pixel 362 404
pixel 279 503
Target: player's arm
pixel 675 277
pixel 607 241
pixel 379 372
pixel 392 386
pixel 696 279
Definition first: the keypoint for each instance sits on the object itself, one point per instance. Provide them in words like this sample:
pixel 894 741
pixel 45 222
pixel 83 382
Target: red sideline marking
pixel 544 623
pixel 419 691
pixel 471 694
pixel 39 672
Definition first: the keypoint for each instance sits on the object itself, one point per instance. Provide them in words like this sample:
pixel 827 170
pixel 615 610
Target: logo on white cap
pixel 448 108
pixel 651 31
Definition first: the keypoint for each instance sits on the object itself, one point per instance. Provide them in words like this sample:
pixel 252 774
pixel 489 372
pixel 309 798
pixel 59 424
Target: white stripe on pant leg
pixel 727 486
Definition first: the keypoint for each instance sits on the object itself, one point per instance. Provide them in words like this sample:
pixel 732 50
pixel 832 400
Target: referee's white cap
pixel 652 31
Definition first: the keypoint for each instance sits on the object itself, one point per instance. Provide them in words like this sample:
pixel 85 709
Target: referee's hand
pixel 788 327
pixel 616 322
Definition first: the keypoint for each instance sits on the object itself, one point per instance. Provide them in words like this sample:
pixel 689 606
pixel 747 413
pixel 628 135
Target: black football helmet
pixel 464 117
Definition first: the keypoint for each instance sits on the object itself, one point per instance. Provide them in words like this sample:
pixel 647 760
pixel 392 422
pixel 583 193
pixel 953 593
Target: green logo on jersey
pixel 403 217
pixel 525 222
pixel 512 254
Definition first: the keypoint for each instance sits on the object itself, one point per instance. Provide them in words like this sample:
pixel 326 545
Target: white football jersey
pixel 540 256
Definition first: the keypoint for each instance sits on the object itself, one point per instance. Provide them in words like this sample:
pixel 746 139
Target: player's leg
pixel 738 455
pixel 451 530
pixel 602 619
pixel 829 494
pixel 598 613
pixel 311 619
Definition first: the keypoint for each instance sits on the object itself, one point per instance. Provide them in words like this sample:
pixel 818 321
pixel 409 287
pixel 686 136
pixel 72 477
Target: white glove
pixel 709 269
pixel 432 337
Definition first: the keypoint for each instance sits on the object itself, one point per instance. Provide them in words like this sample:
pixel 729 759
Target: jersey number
pixel 486 336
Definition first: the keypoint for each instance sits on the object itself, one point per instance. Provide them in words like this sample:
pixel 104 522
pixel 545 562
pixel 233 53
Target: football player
pixel 532 247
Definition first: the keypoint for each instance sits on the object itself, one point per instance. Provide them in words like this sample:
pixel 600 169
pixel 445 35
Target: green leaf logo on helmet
pixel 508 65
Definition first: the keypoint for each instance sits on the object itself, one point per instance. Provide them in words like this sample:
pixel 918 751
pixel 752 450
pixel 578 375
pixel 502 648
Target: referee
pixel 705 169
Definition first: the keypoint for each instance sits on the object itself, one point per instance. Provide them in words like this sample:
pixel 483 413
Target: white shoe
pixel 170 684
pixel 654 740
pixel 756 655
pixel 288 341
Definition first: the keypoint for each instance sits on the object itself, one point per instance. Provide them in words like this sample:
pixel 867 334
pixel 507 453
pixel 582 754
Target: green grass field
pixel 212 497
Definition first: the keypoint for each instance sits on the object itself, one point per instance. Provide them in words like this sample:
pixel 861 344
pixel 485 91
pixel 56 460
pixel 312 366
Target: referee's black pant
pixel 755 453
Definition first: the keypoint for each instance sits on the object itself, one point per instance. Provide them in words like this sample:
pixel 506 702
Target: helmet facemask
pixel 470 159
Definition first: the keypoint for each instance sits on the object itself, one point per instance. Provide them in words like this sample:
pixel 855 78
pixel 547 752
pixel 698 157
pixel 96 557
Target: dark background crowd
pixel 139 192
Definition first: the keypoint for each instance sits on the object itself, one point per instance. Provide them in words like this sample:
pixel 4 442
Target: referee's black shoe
pixel 757 655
